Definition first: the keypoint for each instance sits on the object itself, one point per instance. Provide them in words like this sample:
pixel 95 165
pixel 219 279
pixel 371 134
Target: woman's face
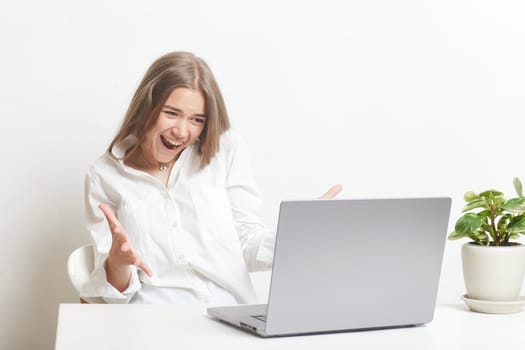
pixel 180 123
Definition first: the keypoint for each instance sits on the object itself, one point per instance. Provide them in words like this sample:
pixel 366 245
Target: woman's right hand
pixel 121 253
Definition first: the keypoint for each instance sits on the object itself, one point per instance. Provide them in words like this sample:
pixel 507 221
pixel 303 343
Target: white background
pixel 389 98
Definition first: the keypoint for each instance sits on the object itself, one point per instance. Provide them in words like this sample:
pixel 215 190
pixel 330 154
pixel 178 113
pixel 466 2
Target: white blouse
pixel 200 235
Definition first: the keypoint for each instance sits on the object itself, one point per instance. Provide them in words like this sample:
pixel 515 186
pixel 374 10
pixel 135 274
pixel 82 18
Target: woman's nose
pixel 180 130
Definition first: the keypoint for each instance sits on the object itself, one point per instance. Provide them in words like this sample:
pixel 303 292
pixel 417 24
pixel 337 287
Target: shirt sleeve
pixel 98 286
pixel 257 241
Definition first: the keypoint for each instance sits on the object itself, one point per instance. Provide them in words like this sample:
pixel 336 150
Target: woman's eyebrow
pixel 180 111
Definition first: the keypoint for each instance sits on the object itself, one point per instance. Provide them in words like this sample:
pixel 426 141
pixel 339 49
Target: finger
pixel 332 192
pixel 113 222
pixel 144 267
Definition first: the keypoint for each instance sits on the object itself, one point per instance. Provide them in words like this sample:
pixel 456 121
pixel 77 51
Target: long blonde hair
pixel 176 69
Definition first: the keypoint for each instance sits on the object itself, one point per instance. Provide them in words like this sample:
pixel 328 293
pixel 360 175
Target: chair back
pixel 80 264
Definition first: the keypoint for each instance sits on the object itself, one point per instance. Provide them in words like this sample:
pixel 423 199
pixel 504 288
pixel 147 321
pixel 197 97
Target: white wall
pixel 389 98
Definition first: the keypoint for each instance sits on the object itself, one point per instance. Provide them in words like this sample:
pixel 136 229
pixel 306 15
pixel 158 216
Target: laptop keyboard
pixel 260 317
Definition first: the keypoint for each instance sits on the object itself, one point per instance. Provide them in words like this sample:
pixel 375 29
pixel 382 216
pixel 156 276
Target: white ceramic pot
pixel 493 273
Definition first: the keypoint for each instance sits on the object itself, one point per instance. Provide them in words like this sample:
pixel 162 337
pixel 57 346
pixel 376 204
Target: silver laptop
pixel 342 265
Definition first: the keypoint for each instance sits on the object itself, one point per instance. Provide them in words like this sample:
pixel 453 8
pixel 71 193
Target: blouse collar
pixel 119 149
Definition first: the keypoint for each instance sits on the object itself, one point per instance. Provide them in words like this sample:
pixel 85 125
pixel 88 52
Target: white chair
pixel 80 264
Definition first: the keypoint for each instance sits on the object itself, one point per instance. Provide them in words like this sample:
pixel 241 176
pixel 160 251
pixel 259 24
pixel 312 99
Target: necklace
pixel 161 167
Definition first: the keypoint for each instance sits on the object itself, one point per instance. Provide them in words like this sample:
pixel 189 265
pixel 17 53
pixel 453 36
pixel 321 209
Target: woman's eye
pixel 171 113
pixel 199 120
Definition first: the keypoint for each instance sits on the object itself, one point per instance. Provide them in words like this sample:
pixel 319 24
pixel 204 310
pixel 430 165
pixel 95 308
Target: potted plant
pixel 493 262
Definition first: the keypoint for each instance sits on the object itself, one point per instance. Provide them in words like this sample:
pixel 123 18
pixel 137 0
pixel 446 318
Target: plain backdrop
pixel 389 98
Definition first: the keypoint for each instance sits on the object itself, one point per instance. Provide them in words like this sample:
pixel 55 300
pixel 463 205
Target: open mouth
pixel 169 144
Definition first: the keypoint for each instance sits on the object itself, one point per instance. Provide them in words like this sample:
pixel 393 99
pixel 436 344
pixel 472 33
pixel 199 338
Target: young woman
pixel 172 207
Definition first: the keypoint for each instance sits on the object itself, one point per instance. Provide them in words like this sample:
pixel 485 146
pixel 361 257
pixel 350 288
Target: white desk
pixel 188 327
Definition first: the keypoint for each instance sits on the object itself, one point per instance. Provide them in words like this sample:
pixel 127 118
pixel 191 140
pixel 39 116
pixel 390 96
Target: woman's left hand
pixel 332 192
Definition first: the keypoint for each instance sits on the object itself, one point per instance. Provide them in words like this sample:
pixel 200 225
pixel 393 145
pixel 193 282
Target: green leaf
pixel 516 235
pixel 481 237
pixel 491 193
pixel 518 187
pixel 478 203
pixel 517 224
pixel 484 213
pixel 485 227
pixel 470 196
pixel 454 235
pixel 498 202
pixel 515 205
pixel 468 223
pixel 503 222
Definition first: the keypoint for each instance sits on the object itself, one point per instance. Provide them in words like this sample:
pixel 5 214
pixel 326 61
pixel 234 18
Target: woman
pixel 172 206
